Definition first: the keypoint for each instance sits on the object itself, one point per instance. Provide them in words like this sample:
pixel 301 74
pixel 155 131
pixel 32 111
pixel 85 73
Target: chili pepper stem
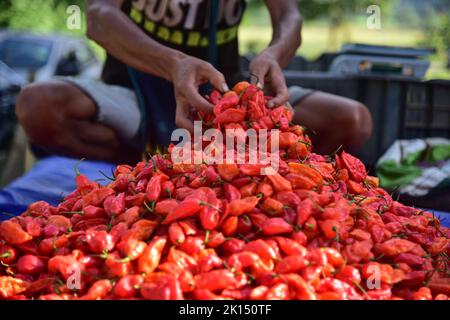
pixel 77 171
pixel 361 289
pixel 6 254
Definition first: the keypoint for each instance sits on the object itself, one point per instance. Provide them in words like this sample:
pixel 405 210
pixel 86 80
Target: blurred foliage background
pixel 327 24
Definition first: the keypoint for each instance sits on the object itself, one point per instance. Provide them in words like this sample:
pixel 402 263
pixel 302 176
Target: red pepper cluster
pixel 320 228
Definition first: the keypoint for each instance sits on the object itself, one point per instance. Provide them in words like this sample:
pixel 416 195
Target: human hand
pixel 188 73
pixel 266 71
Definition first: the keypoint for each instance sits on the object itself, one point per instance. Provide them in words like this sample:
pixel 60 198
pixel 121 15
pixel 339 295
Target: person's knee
pixel 356 121
pixel 40 111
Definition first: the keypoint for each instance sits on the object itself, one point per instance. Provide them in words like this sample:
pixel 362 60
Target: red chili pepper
pixel 215 239
pixel 258 219
pixel 279 291
pixel 130 216
pixel 258 293
pixel 279 183
pixel 333 257
pixel 13 233
pixel 233 245
pixel 149 260
pixel 242 260
pixel 189 226
pixel 330 228
pixel 229 100
pixel 291 264
pixel 96 196
pixel 231 192
pixel 250 169
pixel 261 248
pixel 287 198
pixel 215 97
pixel 265 189
pixel 290 247
pixel 153 191
pixel 168 189
pixel 193 245
pixel 228 171
pixel 244 225
pixel 166 206
pixel 384 293
pixel 122 182
pixel 90 212
pixel 249 93
pixel 8 254
pixel 272 206
pixel 287 139
pixel 10 286
pixel 99 241
pixel 84 185
pixel 231 115
pixel 209 217
pixel 215 280
pixel 241 206
pixel 128 286
pixel 98 290
pixel 181 259
pixel 395 246
pixel 133 249
pixel 229 226
pixel 116 267
pixel 65 265
pixel 187 282
pixel 299 150
pixel 53 245
pixel 249 189
pixel 176 234
pixel 349 274
pixel 275 226
pixel 185 209
pixel 114 205
pixel 355 167
pixel 30 264
pixel 423 293
pixel 209 262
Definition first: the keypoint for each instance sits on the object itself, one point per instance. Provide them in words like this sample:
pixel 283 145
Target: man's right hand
pixel 187 74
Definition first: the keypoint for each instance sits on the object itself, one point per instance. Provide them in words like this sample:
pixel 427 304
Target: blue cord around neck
pixel 212 37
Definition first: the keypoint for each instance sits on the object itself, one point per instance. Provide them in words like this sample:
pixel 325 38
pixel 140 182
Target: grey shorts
pixel 117 107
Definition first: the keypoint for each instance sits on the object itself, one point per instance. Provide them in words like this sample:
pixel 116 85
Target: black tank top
pixel 184 25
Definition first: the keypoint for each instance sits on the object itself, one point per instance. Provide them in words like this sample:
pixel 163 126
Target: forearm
pixel 286 25
pixel 114 31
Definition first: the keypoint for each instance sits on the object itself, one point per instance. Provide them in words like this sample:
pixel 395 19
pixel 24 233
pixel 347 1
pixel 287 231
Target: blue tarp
pixel 52 178
pixel 49 180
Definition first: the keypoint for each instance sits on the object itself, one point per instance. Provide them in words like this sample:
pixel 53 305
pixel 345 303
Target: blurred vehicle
pixel 41 57
pixel 10 84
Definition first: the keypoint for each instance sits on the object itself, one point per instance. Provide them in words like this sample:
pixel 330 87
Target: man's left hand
pixel 266 71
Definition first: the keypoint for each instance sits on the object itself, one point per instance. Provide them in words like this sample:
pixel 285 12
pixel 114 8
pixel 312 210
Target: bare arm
pixel 286 26
pixel 286 38
pixel 117 34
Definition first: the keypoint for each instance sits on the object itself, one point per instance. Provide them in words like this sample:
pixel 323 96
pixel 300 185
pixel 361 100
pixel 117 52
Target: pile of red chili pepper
pixel 320 228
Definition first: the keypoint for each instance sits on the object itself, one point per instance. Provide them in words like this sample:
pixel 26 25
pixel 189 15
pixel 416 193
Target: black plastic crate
pixel 401 108
pixel 8 119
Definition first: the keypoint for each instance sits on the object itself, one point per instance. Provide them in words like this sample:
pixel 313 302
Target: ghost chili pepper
pixel 187 208
pixel 241 206
pixel 149 259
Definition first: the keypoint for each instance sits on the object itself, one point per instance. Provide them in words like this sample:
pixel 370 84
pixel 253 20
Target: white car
pixel 41 57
